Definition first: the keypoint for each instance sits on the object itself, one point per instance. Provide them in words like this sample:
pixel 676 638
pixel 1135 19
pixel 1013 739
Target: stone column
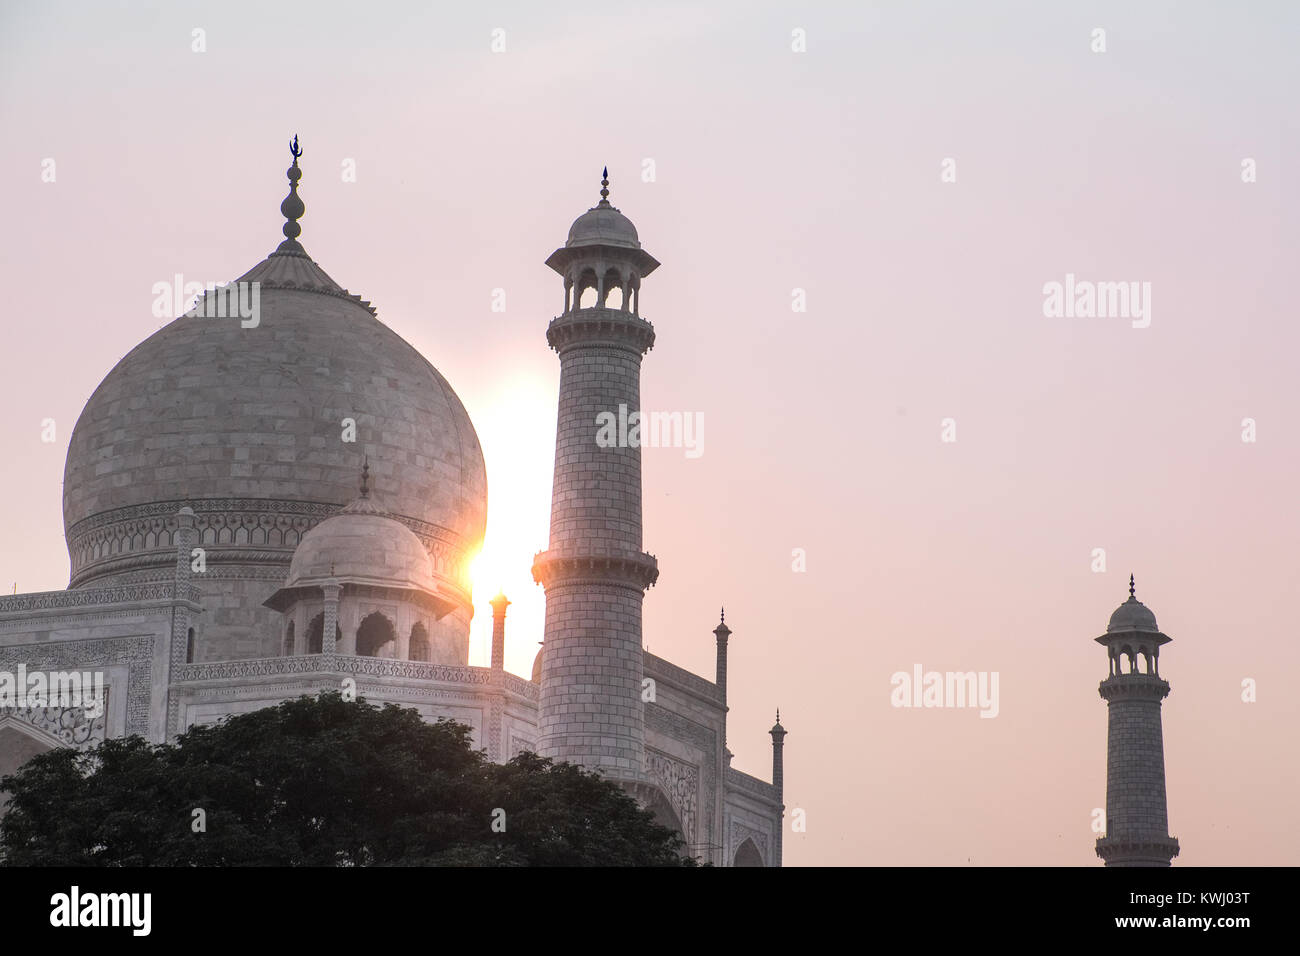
pixel 182 621
pixel 722 632
pixel 778 781
pixel 186 535
pixel 499 605
pixel 329 643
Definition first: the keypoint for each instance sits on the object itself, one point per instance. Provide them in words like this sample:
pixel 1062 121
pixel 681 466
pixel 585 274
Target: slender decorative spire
pixel 1131 588
pixel 722 632
pixel 604 187
pixel 292 208
pixel 499 605
pixel 365 478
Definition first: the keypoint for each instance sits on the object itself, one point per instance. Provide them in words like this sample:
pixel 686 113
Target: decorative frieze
pixel 660 720
pixel 72 726
pixel 98 597
pixel 247 530
pixel 136 653
pixel 680 783
pixel 346 664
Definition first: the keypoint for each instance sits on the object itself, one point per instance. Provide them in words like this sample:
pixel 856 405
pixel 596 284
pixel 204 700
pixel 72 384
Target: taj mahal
pixel 258 511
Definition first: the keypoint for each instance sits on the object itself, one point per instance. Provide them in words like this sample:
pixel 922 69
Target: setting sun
pixel 516 427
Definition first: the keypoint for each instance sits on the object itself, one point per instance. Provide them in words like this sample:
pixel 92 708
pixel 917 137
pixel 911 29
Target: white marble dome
pixel 361 545
pixel 603 225
pixel 248 424
pixel 1132 615
pixel 207 409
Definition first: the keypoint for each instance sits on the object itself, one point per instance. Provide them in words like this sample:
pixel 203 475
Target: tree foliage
pixel 320 782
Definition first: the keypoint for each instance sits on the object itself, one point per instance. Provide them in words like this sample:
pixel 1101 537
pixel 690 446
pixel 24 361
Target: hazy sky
pixel 774 170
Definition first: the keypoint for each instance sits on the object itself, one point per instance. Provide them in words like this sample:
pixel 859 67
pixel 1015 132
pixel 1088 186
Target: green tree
pixel 320 782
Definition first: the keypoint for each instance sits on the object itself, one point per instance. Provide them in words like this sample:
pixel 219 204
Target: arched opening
pixel 19 743
pixel 666 816
pixel 316 633
pixel 288 640
pixel 420 649
pixel 613 290
pixel 584 290
pixel 376 637
pixel 748 855
pixel 189 647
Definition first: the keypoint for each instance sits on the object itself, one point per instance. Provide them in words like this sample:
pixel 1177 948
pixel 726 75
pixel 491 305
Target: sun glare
pixel 516 428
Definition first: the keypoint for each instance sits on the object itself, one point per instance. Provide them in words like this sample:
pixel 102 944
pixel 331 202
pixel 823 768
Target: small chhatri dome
pixel 777 730
pixel 362 544
pixel 1132 615
pixel 722 630
pixel 603 225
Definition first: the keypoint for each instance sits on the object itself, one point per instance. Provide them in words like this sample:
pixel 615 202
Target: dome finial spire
pixel 1131 588
pixel 365 477
pixel 292 208
pixel 604 187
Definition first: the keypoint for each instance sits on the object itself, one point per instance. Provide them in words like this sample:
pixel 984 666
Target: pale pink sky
pixel 775 170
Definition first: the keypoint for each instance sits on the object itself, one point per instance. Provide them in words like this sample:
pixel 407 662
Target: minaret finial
pixel 1131 588
pixel 292 208
pixel 604 187
pixel 365 478
pixel 778 715
pixel 724 615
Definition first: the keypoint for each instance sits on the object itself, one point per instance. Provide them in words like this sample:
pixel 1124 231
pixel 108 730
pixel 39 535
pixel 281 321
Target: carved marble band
pixel 241 531
pixel 634 570
pixel 329 664
pixel 600 327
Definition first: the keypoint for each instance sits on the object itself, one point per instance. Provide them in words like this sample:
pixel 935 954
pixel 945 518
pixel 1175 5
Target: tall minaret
pixel 1137 821
pixel 594 570
pixel 778 780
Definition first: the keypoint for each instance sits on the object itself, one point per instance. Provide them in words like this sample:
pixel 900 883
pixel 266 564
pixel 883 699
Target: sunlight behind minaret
pixel 516 427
